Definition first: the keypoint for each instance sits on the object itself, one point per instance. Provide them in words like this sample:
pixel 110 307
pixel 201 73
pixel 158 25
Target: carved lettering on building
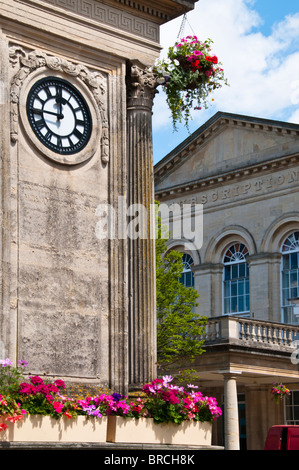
pixel 260 186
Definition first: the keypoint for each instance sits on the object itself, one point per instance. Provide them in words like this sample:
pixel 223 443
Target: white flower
pixel 176 62
pixel 167 378
pixel 161 69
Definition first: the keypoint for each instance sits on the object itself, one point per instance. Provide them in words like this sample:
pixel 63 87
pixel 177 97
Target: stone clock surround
pixel 34 65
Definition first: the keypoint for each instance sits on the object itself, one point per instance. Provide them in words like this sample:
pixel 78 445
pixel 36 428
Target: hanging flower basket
pixel 188 76
pixel 279 392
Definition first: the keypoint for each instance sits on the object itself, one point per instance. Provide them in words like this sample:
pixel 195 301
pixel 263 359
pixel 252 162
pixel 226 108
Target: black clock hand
pixel 59 99
pixel 42 111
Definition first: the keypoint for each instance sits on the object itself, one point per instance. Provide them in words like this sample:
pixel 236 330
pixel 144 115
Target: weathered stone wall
pixel 68 302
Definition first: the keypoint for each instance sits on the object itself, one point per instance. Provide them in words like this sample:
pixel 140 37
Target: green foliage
pixel 178 326
pixel 188 76
pixel 11 377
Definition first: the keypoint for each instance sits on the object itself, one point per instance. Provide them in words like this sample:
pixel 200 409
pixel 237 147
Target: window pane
pixel 227 275
pixel 285 279
pixel 234 287
pixel 241 305
pixel 286 262
pixel 294 293
pixel 227 289
pixel 235 271
pixel 285 296
pixel 294 261
pixel 234 304
pixel 242 268
pixel 293 278
pixel 241 287
pixel 227 305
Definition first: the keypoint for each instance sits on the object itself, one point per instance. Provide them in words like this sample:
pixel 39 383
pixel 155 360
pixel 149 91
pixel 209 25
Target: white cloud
pixel 261 70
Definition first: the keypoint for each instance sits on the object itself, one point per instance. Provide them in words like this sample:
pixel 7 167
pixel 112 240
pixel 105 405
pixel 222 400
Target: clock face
pixel 59 115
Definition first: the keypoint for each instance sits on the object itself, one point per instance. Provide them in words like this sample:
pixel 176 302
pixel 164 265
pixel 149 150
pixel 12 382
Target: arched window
pixel 290 277
pixel 187 277
pixel 236 280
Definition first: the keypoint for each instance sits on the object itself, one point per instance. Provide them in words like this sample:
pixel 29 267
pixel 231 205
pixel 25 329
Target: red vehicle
pixel 282 438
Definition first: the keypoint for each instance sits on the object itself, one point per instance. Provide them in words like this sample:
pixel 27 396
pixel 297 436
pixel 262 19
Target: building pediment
pixel 227 143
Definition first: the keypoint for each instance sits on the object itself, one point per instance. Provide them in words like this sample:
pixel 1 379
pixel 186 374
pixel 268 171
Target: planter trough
pixel 145 431
pixel 40 428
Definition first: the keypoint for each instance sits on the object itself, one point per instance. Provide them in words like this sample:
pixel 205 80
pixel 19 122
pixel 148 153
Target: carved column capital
pixel 141 86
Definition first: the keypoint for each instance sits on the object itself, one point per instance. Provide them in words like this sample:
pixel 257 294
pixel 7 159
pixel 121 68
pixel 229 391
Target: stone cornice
pixel 231 176
pixel 208 131
pixel 165 10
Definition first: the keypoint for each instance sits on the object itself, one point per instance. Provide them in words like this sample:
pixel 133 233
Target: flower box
pixel 146 431
pixel 39 428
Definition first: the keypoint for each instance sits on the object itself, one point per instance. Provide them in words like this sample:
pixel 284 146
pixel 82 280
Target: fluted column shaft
pixel 142 311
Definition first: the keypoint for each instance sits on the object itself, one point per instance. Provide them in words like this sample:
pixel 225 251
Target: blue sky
pixel 257 42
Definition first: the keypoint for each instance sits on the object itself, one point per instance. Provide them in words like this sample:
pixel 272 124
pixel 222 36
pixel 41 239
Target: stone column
pixel 231 415
pixel 141 245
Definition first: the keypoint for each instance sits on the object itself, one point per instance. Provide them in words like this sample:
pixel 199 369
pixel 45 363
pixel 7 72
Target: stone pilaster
pixel 142 310
pixel 264 272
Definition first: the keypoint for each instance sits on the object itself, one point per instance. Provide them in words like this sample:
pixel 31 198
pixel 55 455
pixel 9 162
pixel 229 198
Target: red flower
pixel 59 383
pixel 26 388
pixel 36 380
pixel 215 59
pixel 195 65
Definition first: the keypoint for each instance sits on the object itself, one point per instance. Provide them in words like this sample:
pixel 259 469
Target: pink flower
pixel 3 426
pixel 58 406
pixel 36 380
pixel 59 383
pixel 26 389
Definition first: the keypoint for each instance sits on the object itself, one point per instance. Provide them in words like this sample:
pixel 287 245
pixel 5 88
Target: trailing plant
pixel 188 75
pixel 279 392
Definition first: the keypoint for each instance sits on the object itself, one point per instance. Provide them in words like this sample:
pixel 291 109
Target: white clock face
pixel 59 115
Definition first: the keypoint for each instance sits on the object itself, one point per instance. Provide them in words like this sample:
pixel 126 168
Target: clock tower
pixel 76 99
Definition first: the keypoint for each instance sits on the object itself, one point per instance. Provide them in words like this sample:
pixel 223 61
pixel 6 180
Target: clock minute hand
pixel 43 111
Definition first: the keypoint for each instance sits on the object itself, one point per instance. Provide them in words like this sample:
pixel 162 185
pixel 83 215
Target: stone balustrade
pixel 250 332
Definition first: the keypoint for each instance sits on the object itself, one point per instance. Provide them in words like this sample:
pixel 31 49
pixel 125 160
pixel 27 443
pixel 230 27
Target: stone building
pixel 75 135
pixel 243 173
